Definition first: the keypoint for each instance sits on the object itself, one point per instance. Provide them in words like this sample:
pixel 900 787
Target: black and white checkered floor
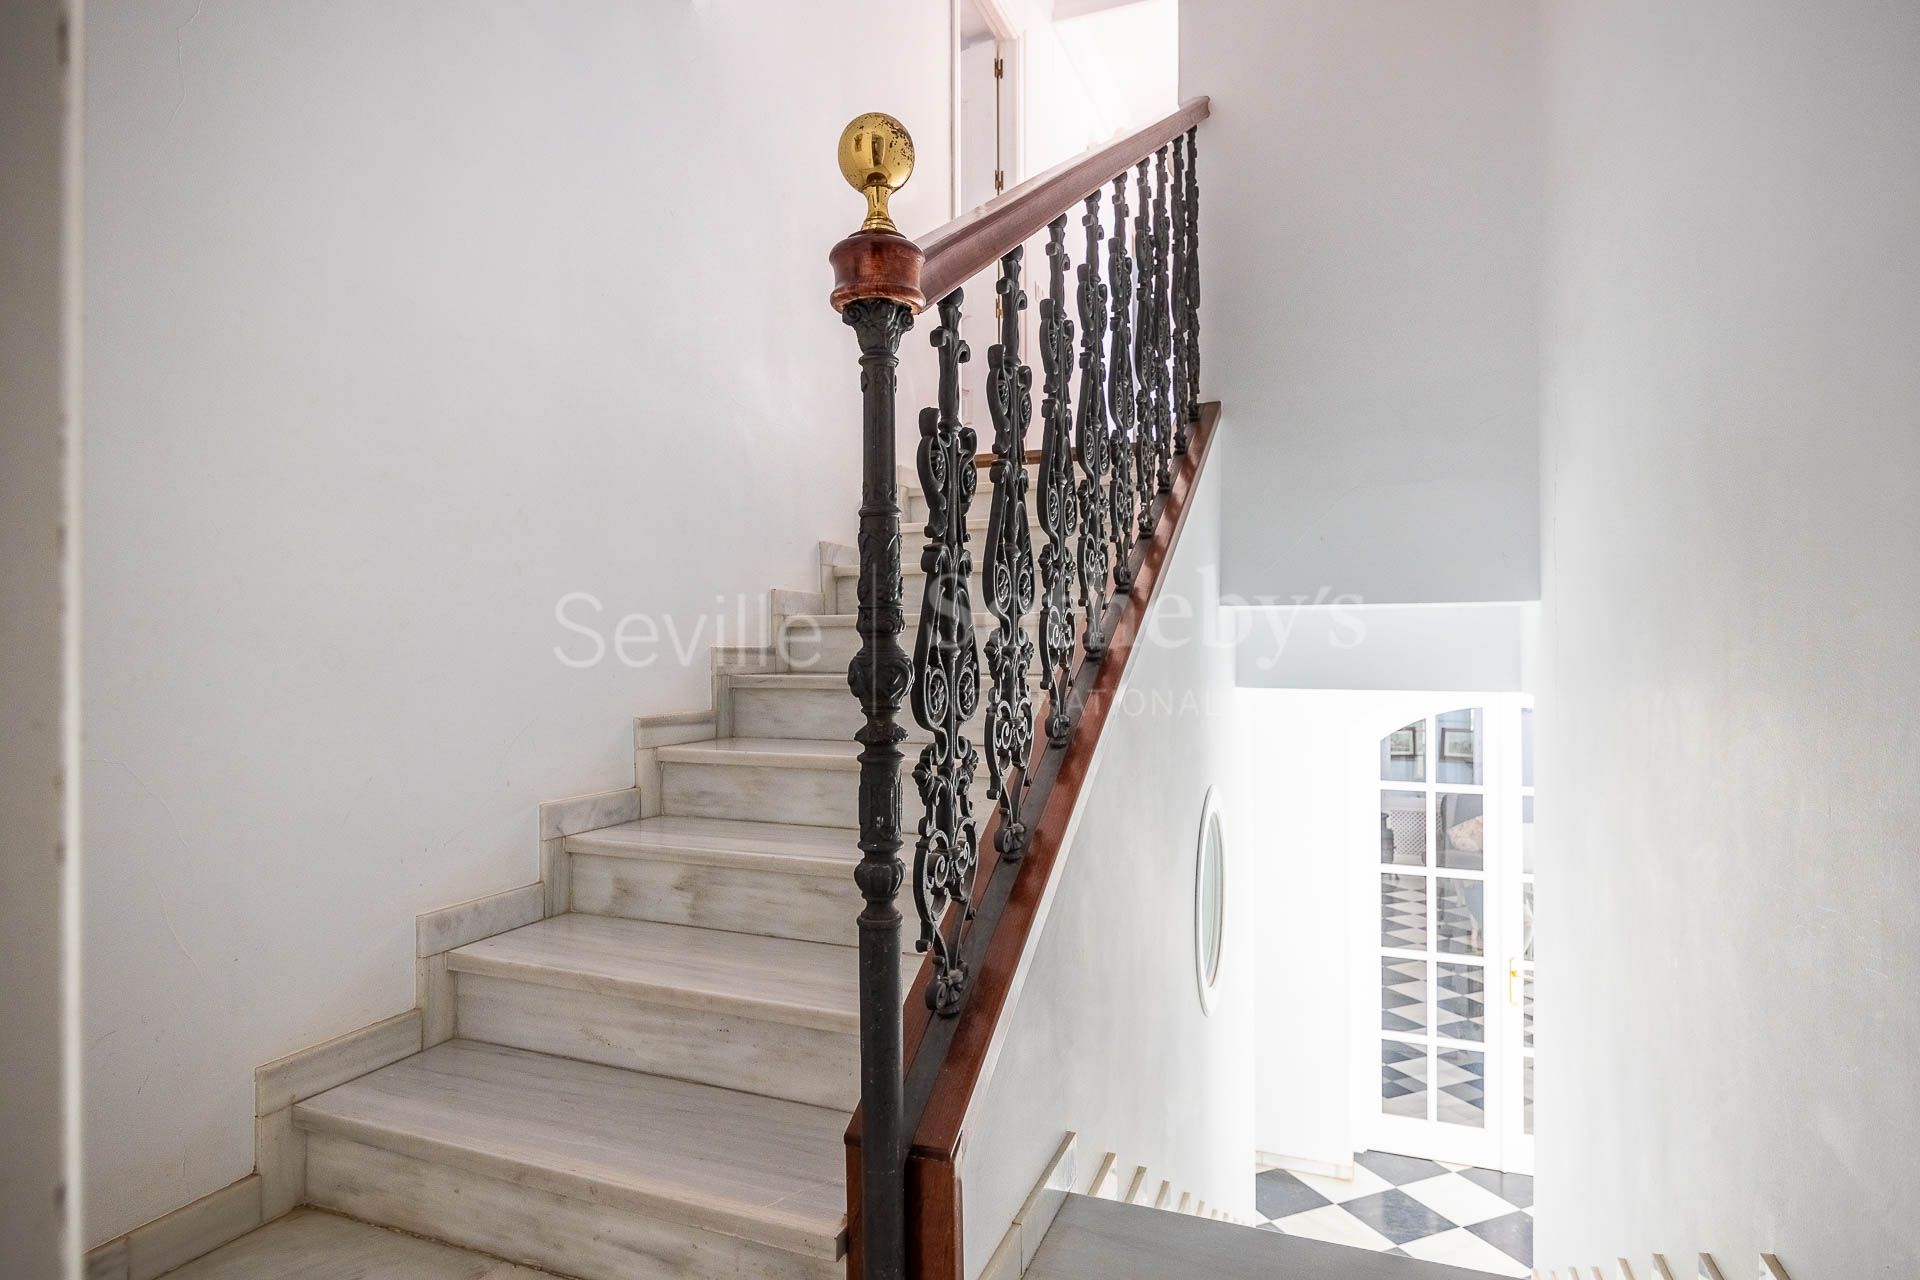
pixel 1449 1213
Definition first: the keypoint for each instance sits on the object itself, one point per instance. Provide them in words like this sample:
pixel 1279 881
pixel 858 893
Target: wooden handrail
pixel 977 239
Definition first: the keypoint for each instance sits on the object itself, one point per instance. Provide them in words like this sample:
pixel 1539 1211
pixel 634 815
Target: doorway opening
pixel 1449 1075
pixel 1392 829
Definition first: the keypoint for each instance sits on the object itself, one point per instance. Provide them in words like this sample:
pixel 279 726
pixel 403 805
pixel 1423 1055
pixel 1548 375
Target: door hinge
pixel 999 67
pixel 999 181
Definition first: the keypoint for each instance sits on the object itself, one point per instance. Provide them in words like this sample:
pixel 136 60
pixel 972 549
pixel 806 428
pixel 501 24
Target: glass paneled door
pixel 1448 1076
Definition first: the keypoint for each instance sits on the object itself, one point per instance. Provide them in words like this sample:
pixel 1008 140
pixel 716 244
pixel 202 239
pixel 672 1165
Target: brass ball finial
pixel 876 158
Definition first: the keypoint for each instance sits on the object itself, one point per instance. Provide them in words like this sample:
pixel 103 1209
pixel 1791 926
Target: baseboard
pixel 1302 1164
pixel 150 1251
pixel 650 733
pixel 1014 1254
pixel 1706 1269
pixel 437 932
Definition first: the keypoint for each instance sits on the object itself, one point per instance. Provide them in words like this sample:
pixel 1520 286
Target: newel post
pixel 876 290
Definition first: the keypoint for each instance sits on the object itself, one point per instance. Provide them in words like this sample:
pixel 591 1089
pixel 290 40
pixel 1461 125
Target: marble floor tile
pixel 1454 1198
pixel 1512 1234
pixel 1461 1248
pixel 1334 1225
pixel 1397 1216
pixel 1280 1194
pixel 1394 1204
pixel 1364 1182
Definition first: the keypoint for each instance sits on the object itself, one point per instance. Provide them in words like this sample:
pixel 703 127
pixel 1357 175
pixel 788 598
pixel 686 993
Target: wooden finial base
pixel 877 264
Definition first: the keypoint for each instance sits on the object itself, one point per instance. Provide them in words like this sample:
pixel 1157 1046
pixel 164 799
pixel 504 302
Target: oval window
pixel 1209 902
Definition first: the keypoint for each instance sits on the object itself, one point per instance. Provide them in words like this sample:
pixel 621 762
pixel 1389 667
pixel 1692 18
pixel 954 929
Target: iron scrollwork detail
pixel 1009 570
pixel 1163 390
pixel 1190 393
pixel 1179 299
pixel 1058 514
pixel 1120 396
pixel 946 681
pixel 1090 437
pixel 1145 255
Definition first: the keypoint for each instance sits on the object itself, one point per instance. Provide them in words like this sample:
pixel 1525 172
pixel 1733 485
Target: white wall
pixel 1462 646
pixel 1095 75
pixel 1107 1037
pixel 37 528
pixel 1370 236
pixel 1730 902
pixel 403 321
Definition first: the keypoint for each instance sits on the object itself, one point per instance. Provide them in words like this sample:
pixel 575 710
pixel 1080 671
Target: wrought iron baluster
pixel 1179 296
pixel 876 290
pixel 946 675
pixel 1057 502
pixel 1143 355
pixel 1191 392
pixel 1120 397
pixel 1090 435
pixel 1009 577
pixel 878 676
pixel 1163 392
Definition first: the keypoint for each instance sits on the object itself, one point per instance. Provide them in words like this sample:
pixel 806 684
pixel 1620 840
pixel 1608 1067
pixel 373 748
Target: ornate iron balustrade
pixel 1106 475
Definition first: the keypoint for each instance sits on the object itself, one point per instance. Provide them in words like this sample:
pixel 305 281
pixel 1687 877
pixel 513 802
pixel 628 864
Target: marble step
pixel 1095 1239
pixel 586 1170
pixel 819 705
pixel 806 781
pixel 826 642
pixel 747 877
pixel 772 1016
pixel 846 582
pixel 309 1244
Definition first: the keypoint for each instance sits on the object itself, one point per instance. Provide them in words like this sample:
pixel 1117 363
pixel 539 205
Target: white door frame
pixel 1501 1143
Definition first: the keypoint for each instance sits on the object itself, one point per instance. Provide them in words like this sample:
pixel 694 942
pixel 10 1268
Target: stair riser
pixel 846 586
pixel 809 908
pixel 846 591
pixel 533 1226
pixel 805 908
pixel 810 648
pixel 732 1051
pixel 806 713
pixel 814 797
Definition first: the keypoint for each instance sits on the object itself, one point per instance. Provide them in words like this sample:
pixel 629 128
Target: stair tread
pixel 773 846
pixel 813 984
pixel 780 753
pixel 759 1168
pixel 310 1244
pixel 832 680
pixel 982 620
pixel 1116 1241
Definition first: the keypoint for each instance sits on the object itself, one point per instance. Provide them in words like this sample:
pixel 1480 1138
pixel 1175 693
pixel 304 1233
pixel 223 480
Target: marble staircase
pixel 654 1081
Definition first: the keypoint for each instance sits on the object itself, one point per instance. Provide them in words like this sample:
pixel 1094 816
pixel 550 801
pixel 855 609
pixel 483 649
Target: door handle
pixel 1513 976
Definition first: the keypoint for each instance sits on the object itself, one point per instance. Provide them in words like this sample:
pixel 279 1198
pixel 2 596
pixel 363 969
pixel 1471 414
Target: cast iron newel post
pixel 877 290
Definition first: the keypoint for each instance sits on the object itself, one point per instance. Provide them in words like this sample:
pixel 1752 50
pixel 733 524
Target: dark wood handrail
pixel 977 239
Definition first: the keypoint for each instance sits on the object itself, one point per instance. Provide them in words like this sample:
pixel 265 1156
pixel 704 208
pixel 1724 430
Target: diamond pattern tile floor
pixel 1411 1207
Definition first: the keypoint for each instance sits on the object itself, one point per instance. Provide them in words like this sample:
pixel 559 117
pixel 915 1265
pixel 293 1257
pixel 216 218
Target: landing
pixel 1106 1240
pixel 308 1245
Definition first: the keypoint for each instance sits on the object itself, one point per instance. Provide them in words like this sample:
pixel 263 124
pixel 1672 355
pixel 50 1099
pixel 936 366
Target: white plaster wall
pixel 1092 76
pixel 37 528
pixel 1729 912
pixel 1347 647
pixel 1370 227
pixel 1107 1038
pixel 403 321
